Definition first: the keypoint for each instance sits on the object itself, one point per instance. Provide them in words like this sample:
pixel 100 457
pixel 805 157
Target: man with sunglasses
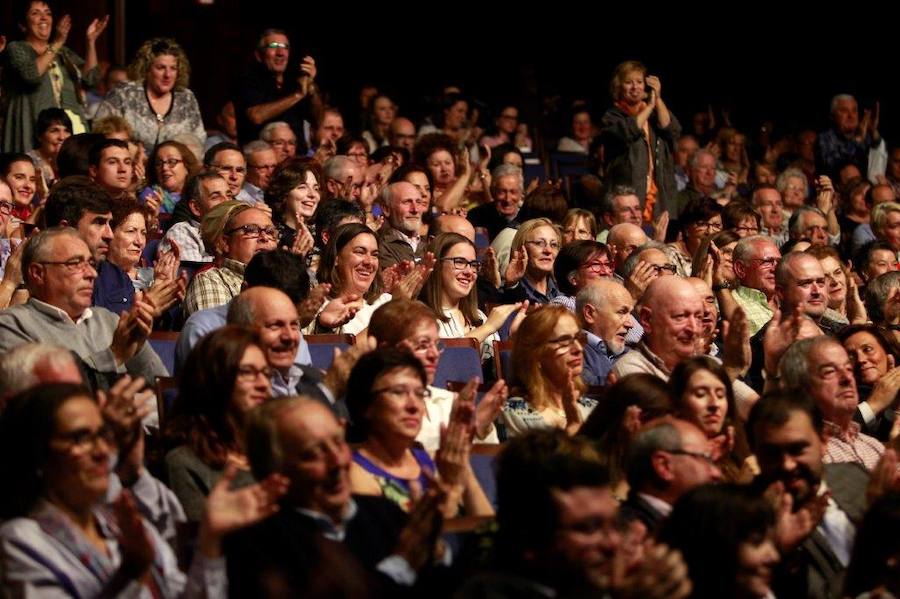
pixel 273 92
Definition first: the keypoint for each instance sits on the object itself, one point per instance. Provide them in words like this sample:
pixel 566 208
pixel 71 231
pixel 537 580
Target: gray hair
pixel 36 247
pixel 877 292
pixel 743 251
pixel 269 130
pixel 334 166
pixel 695 159
pixel 606 204
pixel 880 213
pixel 631 262
pixel 594 294
pixel 663 436
pixel 794 365
pixel 840 98
pixel 796 222
pixel 508 170
pixel 17 365
pixel 266 33
pixel 257 145
pixel 781 182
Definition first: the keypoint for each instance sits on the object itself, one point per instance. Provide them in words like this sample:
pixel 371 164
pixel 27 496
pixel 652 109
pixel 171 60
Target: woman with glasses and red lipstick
pixel 577 264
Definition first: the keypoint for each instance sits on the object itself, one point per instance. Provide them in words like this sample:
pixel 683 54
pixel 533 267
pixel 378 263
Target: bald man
pixel 399 239
pixel 451 223
pixel 603 309
pixel 402 133
pixel 624 238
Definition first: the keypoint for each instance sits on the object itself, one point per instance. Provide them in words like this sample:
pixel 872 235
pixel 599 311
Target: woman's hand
pixel 570 399
pixel 489 408
pixel 96 27
pixel 62 31
pixel 137 550
pixel 856 308
pixel 452 459
pixel 490 268
pixel 340 311
pixel 885 391
pixel 499 314
pixel 303 240
pixel 515 270
pixel 824 195
pixel 656 87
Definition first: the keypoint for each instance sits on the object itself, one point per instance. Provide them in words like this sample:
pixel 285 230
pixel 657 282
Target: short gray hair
pixel 743 251
pixel 36 250
pixel 796 222
pixel 508 170
pixel 606 204
pixel 877 292
pixel 781 182
pixel 632 261
pixel 269 130
pixel 17 365
pixel 840 98
pixel 257 145
pixel 663 436
pixel 783 276
pixel 794 365
pixel 334 166
pixel 695 159
pixel 880 213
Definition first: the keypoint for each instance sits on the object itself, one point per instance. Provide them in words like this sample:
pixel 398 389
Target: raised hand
pixel 308 68
pixel 416 541
pixel 640 278
pixel 452 459
pixel 410 284
pixel 340 311
pixel 326 150
pixel 137 550
pixel 62 30
pixel 499 314
pixel 489 408
pixel 490 268
pixel 515 270
pixel 736 352
pixel 885 477
pixel 96 27
pixel 339 372
pixel 661 227
pixel 658 573
pixel 570 397
pixel 779 336
pixel 793 527
pixel 123 407
pixel 309 307
pixel 824 194
pixel 520 316
pixel 303 240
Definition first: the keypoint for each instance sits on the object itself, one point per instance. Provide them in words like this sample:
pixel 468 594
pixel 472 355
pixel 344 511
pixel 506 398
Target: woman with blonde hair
pixel 156 101
pixel 547 359
pixel 532 255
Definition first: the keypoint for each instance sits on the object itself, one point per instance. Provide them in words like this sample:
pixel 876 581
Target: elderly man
pixel 710 315
pixel 281 137
pixel 235 232
pixel 810 224
pixel 767 202
pixel 398 238
pixel 110 167
pixel 228 160
pixel 507 190
pixel 202 193
pixel 821 368
pixel 31 364
pixel 864 232
pixel 848 140
pixel 702 180
pixel 788 438
pixel 665 460
pixel 59 273
pixel 754 260
pixel 270 93
pixel 321 523
pixel 644 265
pixel 620 205
pixel 344 178
pixel 623 239
pixel 402 134
pixel 603 310
pixel 261 163
pixel 685 148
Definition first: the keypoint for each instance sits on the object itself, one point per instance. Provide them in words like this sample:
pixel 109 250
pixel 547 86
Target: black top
pixel 259 87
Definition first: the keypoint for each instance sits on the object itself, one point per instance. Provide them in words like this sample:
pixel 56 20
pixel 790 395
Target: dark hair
pixel 862 256
pixel 735 212
pixel 386 151
pixel 432 142
pixel 544 202
pixel 362 380
pixel 27 424
pixel 288 176
pixel 432 289
pixel 10 158
pixel 191 164
pixel 71 197
pixel 448 101
pixel 328 273
pixel 348 141
pixel 877 542
pixel 774 410
pixel 96 152
pixel 281 270
pixel 46 119
pixel 570 258
pixel 884 338
pixel 73 154
pixel 697 210
pixel 330 213
pixel 21 8
pixel 708 525
pixel 202 416
pixel 193 184
pixel 498 153
pixel 402 172
pixel 219 147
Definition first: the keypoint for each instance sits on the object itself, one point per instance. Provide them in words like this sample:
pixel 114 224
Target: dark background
pixel 762 62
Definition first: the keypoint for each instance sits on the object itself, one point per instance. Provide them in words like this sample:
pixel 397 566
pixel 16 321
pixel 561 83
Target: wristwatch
pixel 725 285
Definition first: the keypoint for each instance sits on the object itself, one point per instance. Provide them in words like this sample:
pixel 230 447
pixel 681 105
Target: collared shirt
pixel 62 313
pixel 113 288
pixel 251 194
pixel 286 386
pixel 186 235
pixel 564 300
pixel 780 238
pixel 657 504
pixel 852 446
pixel 755 306
pixel 536 297
pixel 598 360
pixel 395 246
pixel 837 528
pixel 214 287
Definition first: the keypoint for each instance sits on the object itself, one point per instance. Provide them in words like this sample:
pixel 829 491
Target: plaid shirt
pixel 215 286
pixel 186 235
pixel 852 446
pixel 755 306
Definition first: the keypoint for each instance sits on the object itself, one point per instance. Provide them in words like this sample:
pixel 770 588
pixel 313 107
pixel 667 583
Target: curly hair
pixel 432 142
pixel 153 49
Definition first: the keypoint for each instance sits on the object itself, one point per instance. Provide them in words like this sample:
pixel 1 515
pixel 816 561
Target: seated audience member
pixel 402 134
pixel 52 128
pixel 86 206
pixel 70 530
pixel 549 487
pixel 700 219
pixel 171 166
pixel 886 224
pixel 202 193
pixel 867 199
pixel 235 232
pixel 844 302
pixel 710 321
pixel 665 460
pixel 619 205
pixel 821 367
pixel 726 534
pixel 875 358
pixel 386 399
pixel 398 238
pixel 19 174
pixel 507 189
pixel 350 265
pixel 293 194
pixel 766 201
pixel 73 154
pixel 645 264
pixel 261 164
pixel 343 179
pixel 622 410
pixel 324 534
pixel 603 309
pixel 873 565
pixel 529 275
pixel 545 203
pixel 754 261
pixel 229 161
pixel 59 274
pixel 411 325
pixel 577 265
pixel 787 436
pixel 703 395
pixel 741 218
pixel 881 311
pixel 110 167
pixel 225 377
pixel 809 224
pixel 702 181
pixel 450 293
pixel 579 224
pixel 622 240
pixel 31 364
pixel 281 138
pixel 546 384
pixel 873 259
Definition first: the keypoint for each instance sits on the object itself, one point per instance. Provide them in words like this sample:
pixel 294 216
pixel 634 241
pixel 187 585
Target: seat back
pixel 461 361
pixel 166 392
pixel 163 343
pixel 321 348
pixel 503 359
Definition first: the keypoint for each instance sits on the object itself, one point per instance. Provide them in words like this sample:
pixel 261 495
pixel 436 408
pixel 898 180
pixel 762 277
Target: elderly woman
pixel 61 537
pixel 794 189
pixel 843 296
pixel 412 326
pixel 156 101
pixel 41 72
pixel 18 171
pixel 350 265
pixel 700 219
pixel 875 358
pixel 529 274
pixel 52 128
pixel 639 136
pixel 129 225
pixel 171 165
pixel 386 396
pixel 225 376
pixel 293 194
pixel 577 264
pixel 547 359
pixel 702 394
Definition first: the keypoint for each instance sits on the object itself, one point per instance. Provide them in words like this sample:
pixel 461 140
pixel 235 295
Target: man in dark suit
pixel 787 436
pixel 324 541
pixel 665 461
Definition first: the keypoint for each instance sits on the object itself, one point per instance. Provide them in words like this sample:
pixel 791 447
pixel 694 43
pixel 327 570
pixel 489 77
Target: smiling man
pixel 398 238
pixel 603 309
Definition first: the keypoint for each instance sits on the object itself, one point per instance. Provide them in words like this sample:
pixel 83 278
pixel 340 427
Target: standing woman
pixel 156 101
pixel 40 72
pixel 639 136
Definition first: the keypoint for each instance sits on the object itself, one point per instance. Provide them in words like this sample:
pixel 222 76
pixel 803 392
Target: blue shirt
pixel 598 361
pixel 202 322
pixel 113 288
pixel 536 297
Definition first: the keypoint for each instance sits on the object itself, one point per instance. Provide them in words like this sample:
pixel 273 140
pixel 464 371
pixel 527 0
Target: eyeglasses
pixel 277 46
pixel 283 142
pixel 706 457
pixel 6 208
pixel 249 373
pixel 424 346
pixel 253 231
pixel 463 264
pixel 598 267
pixel 659 268
pixel 709 226
pixel 84 439
pixel 543 244
pixel 263 167
pixel 171 163
pixel 73 265
pixel 235 170
pixel 566 341
pixel 766 262
pixel 750 230
pixel 421 393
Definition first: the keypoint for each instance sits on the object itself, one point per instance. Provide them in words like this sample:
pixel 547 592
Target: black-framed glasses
pixel 249 373
pixel 72 265
pixel 254 231
pixel 706 457
pixel 659 268
pixel 566 341
pixel 462 263
pixel 421 393
pixel 84 439
pixel 171 162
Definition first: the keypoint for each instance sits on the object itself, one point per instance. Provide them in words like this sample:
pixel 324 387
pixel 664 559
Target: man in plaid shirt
pixel 203 192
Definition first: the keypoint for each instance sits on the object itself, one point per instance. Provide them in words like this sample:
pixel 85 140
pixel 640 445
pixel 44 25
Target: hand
pixel 417 539
pixel 164 294
pixel 96 27
pixel 13 272
pixel 824 194
pixel 167 266
pixel 308 68
pixel 570 397
pixel 661 227
pixel 124 407
pixel 515 270
pixel 490 268
pixel 62 31
pixel 489 408
pixel 485 155
pixel 640 278
pixel 137 550
pixel 303 240
pixel 885 477
pixel 885 391
pixel 779 336
pixel 326 150
pixel 452 458
pixel 410 285
pixel 661 574
pixel 340 311
pixel 723 444
pixel 337 374
pixel 517 320
pixel 793 527
pixel 153 201
pixel 736 353
pixel 133 329
pixel 310 305
pixel 654 84
pixel 499 314
pixel 856 308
